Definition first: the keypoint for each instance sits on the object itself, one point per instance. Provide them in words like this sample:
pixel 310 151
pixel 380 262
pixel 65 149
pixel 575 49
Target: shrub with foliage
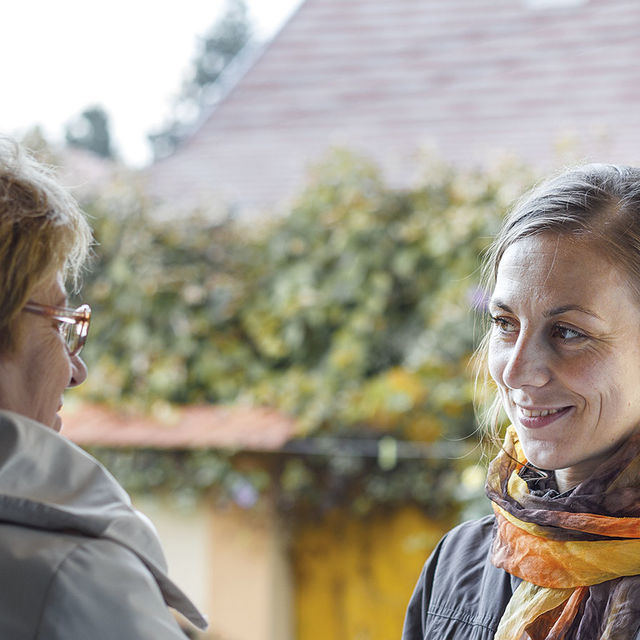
pixel 354 313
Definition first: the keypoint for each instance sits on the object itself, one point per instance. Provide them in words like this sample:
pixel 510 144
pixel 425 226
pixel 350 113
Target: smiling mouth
pixel 538 414
pixel 535 418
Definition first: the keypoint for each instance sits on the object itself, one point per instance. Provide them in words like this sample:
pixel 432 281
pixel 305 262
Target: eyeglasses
pixel 74 323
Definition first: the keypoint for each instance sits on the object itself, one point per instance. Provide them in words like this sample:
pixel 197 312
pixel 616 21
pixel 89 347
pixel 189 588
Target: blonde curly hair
pixel 43 232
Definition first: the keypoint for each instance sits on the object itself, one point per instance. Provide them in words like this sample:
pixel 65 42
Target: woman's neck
pixel 572 476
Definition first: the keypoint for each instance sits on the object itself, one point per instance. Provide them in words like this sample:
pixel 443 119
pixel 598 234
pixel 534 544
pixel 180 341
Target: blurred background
pixel 290 201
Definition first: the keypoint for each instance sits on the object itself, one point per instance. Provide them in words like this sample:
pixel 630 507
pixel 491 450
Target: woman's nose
pixel 527 365
pixel 78 371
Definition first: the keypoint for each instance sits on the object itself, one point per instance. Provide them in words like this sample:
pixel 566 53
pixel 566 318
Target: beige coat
pixel 77 562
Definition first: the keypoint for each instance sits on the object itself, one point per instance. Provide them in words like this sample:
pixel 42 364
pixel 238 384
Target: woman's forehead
pixel 51 291
pixel 558 271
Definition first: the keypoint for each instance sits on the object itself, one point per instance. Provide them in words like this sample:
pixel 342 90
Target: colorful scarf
pixel 578 553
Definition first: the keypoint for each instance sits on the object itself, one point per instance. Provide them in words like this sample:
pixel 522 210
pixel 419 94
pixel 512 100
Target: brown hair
pixel 597 202
pixel 42 233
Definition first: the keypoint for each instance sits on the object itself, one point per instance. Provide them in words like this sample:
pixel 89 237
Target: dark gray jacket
pixel 460 595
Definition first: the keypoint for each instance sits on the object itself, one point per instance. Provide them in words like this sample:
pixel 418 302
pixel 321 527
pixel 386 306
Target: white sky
pixel 129 56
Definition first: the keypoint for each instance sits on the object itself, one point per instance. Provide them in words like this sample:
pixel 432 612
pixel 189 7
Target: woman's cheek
pixel 496 362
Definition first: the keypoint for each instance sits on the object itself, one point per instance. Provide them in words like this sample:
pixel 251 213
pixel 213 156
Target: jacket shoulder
pixel 103 590
pixel 30 557
pixel 460 594
pixel 72 586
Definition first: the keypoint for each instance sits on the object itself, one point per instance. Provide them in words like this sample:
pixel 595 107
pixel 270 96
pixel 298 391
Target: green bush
pixel 353 312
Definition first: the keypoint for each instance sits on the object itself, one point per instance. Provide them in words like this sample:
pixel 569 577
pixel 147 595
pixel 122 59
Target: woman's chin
pixel 547 458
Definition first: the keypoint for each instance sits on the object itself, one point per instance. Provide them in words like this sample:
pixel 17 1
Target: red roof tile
pixel 212 427
pixel 473 77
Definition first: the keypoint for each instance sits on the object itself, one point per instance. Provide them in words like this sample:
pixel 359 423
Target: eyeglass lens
pixel 75 333
pixel 72 336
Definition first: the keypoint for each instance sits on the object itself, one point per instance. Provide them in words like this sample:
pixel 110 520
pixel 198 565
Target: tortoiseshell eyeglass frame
pixel 74 325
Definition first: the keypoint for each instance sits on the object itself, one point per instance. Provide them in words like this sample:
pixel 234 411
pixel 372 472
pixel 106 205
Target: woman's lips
pixel 536 418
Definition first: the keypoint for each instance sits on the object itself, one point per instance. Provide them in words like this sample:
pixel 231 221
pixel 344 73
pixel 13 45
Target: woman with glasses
pixel 76 560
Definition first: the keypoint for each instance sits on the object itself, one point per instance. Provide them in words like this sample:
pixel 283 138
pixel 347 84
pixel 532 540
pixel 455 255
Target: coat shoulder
pixel 66 585
pixel 460 594
pixel 31 557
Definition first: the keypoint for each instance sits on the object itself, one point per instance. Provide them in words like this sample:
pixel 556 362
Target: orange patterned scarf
pixel 578 553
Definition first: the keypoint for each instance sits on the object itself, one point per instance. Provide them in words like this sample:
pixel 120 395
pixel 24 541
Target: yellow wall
pixel 341 578
pixel 354 576
pixel 234 563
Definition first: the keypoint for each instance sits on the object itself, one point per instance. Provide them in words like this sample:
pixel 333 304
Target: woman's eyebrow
pixel 496 302
pixel 571 307
pixel 552 312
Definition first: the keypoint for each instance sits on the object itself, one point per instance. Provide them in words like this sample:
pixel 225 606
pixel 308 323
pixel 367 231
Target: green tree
pixel 220 45
pixel 90 130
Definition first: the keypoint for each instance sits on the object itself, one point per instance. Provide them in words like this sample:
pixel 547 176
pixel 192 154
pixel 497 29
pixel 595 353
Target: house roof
pixel 234 428
pixel 474 78
pixel 197 427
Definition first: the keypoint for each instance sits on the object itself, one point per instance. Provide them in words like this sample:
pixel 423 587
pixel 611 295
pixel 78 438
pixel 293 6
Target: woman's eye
pixel 567 333
pixel 503 324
